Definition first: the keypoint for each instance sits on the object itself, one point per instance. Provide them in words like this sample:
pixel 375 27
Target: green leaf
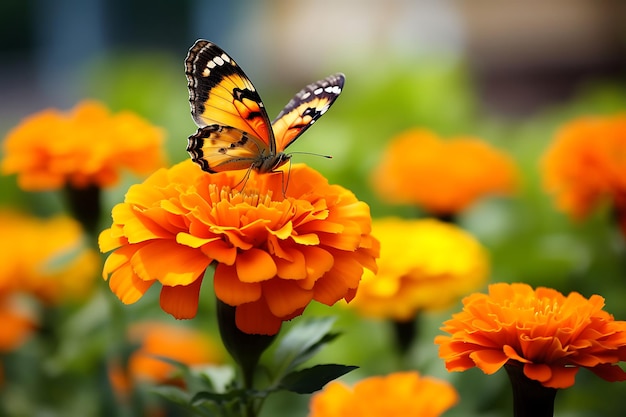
pixel 302 342
pixel 309 380
pixel 172 393
pixel 216 398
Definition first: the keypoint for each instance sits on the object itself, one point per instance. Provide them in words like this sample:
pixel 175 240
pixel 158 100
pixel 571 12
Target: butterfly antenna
pixel 311 153
pixel 244 180
pixel 286 183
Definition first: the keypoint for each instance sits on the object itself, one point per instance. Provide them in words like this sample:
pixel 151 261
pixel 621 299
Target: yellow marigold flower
pixel 274 253
pixel 159 340
pixel 398 394
pixel 549 334
pixel 442 176
pixel 54 268
pixel 586 165
pixel 424 265
pixel 83 147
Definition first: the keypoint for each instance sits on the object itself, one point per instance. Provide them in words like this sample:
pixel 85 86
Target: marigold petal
pixel 293 267
pixel 255 265
pixel 538 371
pixel 285 297
pixel 489 361
pixel 127 285
pixel 611 373
pixel 181 301
pixel 193 241
pixel 231 290
pixel 318 261
pixel 221 251
pixel 107 241
pixel 256 318
pixel 562 377
pixel 169 263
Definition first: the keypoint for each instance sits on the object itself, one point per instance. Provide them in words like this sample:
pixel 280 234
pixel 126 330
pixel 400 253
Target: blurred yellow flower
pixel 424 265
pixel 275 252
pixel 86 146
pixel 47 258
pixel 153 340
pixel 550 335
pixel 442 176
pixel 586 166
pixel 399 394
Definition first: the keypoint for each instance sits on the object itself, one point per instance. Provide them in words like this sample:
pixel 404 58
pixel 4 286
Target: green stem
pixel 530 398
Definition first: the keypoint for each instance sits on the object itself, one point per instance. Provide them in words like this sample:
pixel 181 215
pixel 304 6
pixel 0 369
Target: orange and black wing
pixel 308 105
pixel 221 94
pixel 219 148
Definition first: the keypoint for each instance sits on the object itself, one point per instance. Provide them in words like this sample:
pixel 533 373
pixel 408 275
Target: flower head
pixel 274 253
pixel 396 395
pixel 549 334
pixel 442 176
pixel 86 146
pixel 586 165
pixel 45 258
pixel 423 265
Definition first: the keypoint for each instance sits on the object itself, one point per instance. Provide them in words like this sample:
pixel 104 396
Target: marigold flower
pixel 586 165
pixel 424 265
pixel 159 340
pixel 549 334
pixel 56 268
pixel 442 176
pixel 17 324
pixel 274 253
pixel 398 394
pixel 86 146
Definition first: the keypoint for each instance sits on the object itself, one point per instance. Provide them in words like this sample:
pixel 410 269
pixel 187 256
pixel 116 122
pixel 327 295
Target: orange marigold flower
pixel 86 146
pixel 424 265
pixel 274 253
pixel 586 165
pixel 549 334
pixel 442 176
pixel 17 323
pixel 159 340
pixel 55 268
pixel 398 394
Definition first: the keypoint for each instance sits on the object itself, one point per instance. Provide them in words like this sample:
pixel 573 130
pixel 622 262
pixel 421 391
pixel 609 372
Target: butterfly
pixel 234 130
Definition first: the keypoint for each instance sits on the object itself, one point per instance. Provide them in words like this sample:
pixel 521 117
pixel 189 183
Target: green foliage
pixel 217 391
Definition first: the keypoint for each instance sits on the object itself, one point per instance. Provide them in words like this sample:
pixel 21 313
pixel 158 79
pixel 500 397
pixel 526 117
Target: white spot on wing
pixel 206 72
pixel 225 57
pixel 218 60
pixel 318 91
pixel 210 64
pixel 306 95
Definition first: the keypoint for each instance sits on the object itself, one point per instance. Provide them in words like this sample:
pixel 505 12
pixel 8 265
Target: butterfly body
pixel 234 129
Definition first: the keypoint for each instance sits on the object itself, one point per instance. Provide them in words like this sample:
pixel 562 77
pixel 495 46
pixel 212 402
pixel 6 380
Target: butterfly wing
pixel 221 94
pixel 308 105
pixel 219 148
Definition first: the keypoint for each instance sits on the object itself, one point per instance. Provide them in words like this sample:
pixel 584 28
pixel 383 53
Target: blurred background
pixel 506 71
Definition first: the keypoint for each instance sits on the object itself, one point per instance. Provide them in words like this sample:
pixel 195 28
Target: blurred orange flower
pixel 442 176
pixel 45 258
pixel 586 165
pixel 423 265
pixel 551 335
pixel 398 394
pixel 274 253
pixel 17 323
pixel 86 146
pixel 154 340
